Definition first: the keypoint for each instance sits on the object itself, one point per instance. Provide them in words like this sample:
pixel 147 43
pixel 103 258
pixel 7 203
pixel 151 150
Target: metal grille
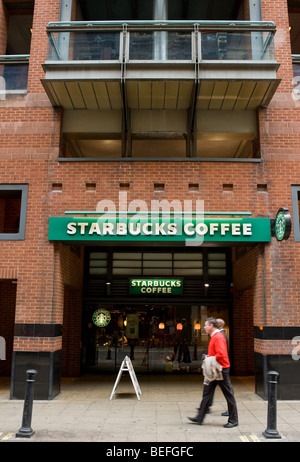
pixel 109 272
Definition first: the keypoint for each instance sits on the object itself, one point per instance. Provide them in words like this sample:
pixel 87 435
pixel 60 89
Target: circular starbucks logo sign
pixel 101 317
pixel 282 224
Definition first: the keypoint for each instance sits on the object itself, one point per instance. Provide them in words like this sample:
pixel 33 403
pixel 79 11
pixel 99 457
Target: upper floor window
pixel 160 134
pixel 294 22
pixel 14 53
pixel 114 10
pixel 13 207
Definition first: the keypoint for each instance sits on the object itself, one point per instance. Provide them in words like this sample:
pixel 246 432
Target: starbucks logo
pixel 101 317
pixel 282 224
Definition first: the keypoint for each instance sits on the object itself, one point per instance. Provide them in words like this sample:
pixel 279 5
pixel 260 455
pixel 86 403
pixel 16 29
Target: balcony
pixel 180 69
pixel 13 74
pixel 160 64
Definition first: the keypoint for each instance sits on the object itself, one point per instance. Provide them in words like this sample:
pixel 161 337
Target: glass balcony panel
pixel 84 46
pixel 268 48
pixel 160 46
pixel 237 46
pixel 53 53
pixel 141 46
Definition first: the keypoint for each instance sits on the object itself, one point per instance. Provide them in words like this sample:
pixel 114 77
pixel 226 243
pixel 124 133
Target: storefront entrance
pixel 151 305
pixel 157 338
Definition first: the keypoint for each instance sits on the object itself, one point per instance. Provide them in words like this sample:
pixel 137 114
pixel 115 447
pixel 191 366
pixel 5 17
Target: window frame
pixel 295 209
pixel 23 188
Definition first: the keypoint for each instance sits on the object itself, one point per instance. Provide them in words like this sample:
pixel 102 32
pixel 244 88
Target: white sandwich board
pixel 128 367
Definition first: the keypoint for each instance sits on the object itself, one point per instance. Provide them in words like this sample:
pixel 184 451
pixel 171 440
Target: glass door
pixel 157 338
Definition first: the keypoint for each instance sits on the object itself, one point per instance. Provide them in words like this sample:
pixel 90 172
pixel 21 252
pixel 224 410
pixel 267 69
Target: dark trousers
pixel 208 392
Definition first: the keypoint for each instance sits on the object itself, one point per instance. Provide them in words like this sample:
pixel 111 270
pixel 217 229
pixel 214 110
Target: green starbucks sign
pixel 283 224
pixel 156 286
pixel 193 231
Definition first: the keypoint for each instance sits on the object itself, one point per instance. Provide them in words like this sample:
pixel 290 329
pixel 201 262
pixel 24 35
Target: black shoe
pixel 195 420
pixel 231 424
pixel 225 414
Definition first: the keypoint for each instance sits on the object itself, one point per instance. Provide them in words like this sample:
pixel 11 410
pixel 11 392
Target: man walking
pixel 218 348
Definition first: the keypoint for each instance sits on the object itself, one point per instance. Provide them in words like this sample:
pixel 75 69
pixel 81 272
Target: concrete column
pixel 65 14
pixel 256 37
pixel 160 13
pixel 255 10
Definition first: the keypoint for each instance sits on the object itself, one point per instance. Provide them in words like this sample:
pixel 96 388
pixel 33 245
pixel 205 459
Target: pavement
pixel 84 412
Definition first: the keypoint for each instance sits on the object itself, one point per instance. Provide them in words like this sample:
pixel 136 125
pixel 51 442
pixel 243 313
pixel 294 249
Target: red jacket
pixel 217 347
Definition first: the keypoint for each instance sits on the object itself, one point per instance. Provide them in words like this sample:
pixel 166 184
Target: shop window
pixel 13 207
pixel 296 212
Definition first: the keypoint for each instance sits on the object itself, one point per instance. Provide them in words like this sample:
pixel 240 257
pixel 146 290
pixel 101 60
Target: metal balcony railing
pixel 13 74
pixel 166 41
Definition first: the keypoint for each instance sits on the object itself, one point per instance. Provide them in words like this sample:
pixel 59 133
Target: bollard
pixel 26 431
pixel 271 431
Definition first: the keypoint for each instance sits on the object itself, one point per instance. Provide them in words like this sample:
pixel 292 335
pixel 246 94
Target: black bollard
pixel 26 431
pixel 271 431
